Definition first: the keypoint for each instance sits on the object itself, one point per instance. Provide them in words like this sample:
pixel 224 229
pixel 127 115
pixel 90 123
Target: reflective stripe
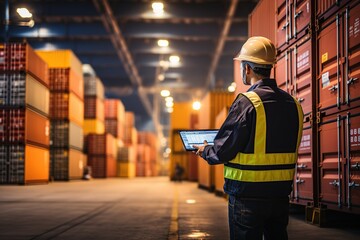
pixel 260 131
pixel 259 157
pixel 259 176
pixel 264 159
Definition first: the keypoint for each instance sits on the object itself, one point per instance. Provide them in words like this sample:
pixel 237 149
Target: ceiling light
pixel 158 7
pixel 232 87
pixel 169 99
pixel 24 13
pixel 196 105
pixel 165 93
pixel 161 77
pixel 169 104
pixel 190 201
pixel 163 43
pixel 170 110
pixel 174 59
pixel 164 64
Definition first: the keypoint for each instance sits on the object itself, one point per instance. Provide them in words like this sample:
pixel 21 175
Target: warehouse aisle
pixel 141 208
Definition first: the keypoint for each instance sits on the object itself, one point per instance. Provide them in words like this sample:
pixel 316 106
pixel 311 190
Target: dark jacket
pixel 237 134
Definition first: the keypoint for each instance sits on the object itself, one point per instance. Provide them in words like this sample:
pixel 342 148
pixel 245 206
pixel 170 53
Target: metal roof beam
pixel 221 42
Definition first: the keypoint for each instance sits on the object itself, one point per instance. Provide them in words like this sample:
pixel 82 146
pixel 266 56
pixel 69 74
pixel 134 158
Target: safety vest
pixel 261 166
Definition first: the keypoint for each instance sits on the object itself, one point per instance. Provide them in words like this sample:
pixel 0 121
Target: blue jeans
pixel 253 219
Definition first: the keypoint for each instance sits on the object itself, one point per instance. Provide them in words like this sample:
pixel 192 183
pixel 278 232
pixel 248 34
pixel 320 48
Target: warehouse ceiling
pixel 119 39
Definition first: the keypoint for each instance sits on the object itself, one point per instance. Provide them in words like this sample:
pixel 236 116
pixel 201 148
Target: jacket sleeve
pixel 233 135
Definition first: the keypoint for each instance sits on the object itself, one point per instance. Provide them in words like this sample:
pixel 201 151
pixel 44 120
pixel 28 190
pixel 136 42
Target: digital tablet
pixel 197 137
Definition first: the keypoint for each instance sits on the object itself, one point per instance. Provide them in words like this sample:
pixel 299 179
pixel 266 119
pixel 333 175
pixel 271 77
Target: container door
pixel 303 182
pixel 4 164
pixel 283 23
pixel 282 72
pixel 16 169
pixel 331 160
pixel 353 156
pixel 302 75
pixel 301 16
pixel 352 48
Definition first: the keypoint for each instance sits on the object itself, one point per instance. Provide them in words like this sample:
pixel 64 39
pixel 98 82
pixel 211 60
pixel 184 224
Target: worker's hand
pixel 200 148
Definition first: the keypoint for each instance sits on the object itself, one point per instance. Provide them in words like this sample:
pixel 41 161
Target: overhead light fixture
pixel 169 99
pixel 174 59
pixel 161 77
pixel 232 87
pixel 164 64
pixel 24 12
pixel 165 93
pixel 169 104
pixel 170 110
pixel 158 8
pixel 196 105
pixel 163 43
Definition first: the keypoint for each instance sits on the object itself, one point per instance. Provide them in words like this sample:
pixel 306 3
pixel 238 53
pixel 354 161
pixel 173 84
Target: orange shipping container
pixel 126 169
pixel 66 80
pixel 61 59
pixel 129 119
pixel 36 164
pixel 93 126
pixel 114 109
pixel 67 106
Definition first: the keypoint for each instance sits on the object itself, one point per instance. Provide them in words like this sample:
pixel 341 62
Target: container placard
pixel 325 80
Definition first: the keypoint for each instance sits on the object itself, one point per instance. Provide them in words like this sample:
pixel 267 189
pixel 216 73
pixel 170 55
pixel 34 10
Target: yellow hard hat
pixel 259 50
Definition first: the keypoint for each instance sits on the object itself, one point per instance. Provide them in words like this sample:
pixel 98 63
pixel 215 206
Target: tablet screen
pixel 197 137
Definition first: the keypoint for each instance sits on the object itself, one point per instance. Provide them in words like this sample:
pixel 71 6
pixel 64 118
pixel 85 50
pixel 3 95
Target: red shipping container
pixel 66 80
pixel 94 108
pixel 101 144
pixel 115 128
pixel 114 109
pixel 102 166
pixel 3 125
pixel 23 58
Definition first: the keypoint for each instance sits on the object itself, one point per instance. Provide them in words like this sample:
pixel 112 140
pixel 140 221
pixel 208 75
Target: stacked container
pixel 24 109
pixel 66 113
pixel 129 150
pixel 318 54
pixel 102 151
pixel 115 125
pixel 94 102
pixel 212 104
pixel 150 139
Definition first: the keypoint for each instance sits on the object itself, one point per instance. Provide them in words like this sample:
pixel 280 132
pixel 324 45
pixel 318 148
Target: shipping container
pixel 23 164
pixel 114 109
pixel 64 133
pixel 94 108
pixel 66 164
pixel 338 44
pixel 143 161
pixel 21 89
pixel 262 20
pixel 114 127
pixel 129 119
pixel 66 106
pixel 61 59
pixel 130 135
pixel 102 166
pixel 101 144
pixel 93 87
pixel 127 154
pixel 293 19
pixel 24 125
pixel 93 126
pixel 126 169
pixel 65 80
pixel 22 58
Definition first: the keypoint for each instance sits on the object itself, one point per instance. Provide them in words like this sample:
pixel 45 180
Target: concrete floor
pixel 141 208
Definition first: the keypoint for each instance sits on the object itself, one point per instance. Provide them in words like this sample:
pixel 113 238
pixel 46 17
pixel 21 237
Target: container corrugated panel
pixel 66 80
pixel 102 166
pixel 67 106
pixel 25 125
pixel 129 119
pixel 77 161
pixel 93 126
pixel 113 127
pixel 262 20
pixel 23 58
pixel 61 59
pixel 66 134
pixel 338 79
pixel 93 87
pixel 329 6
pixel 4 56
pixel 114 109
pixel 94 108
pixel 21 89
pixel 130 135
pixel 101 144
pixel 3 164
pixel 303 191
pixel 36 164
pixel 4 123
pixel 126 169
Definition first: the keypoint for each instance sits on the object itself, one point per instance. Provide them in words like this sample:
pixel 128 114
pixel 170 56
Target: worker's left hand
pixel 200 148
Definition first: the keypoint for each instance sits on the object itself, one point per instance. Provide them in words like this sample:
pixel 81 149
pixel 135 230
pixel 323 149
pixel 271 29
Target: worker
pixel 258 144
